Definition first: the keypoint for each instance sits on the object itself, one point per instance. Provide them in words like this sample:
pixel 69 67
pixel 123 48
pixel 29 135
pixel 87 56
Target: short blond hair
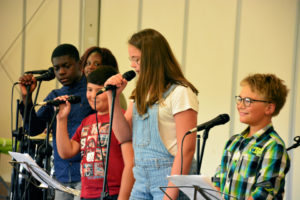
pixel 270 86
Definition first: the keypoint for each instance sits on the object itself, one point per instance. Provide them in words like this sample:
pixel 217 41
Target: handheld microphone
pixel 72 99
pixel 221 119
pixel 47 76
pixel 127 75
pixel 36 72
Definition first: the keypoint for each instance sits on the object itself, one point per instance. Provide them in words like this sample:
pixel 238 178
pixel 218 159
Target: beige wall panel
pixel 70 22
pixel 296 152
pixel 266 45
pixel 118 22
pixel 9 70
pixel 90 24
pixel 41 39
pixel 10 45
pixel 167 17
pixel 209 66
pixel 294 174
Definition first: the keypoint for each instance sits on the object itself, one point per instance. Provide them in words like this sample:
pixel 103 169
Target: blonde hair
pixel 270 86
pixel 159 69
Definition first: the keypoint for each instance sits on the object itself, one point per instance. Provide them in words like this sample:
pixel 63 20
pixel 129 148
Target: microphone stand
pixel 297 140
pixel 19 135
pixel 205 136
pixel 46 150
pixel 35 99
pixel 198 153
pixel 25 116
pixel 28 140
pixel 104 193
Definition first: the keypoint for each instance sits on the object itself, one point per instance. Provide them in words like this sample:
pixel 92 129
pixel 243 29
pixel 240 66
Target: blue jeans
pixel 149 178
pixel 66 196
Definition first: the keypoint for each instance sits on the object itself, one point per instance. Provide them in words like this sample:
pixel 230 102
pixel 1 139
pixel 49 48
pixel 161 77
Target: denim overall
pixel 152 160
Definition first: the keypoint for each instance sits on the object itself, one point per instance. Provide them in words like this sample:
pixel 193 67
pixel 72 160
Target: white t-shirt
pixel 180 99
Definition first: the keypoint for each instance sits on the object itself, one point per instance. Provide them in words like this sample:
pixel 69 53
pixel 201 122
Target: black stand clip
pixel 297 140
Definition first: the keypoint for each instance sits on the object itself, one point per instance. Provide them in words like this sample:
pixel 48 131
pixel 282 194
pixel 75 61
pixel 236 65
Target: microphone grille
pixel 48 76
pixel 225 118
pixel 129 75
pixel 74 99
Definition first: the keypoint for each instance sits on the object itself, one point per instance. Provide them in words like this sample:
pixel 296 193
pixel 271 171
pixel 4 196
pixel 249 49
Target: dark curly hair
pixel 65 50
pixel 107 58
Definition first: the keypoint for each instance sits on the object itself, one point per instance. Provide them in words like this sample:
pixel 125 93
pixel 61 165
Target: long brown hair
pixel 159 69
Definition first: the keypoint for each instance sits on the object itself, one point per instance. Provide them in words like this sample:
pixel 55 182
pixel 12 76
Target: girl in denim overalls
pixel 163 108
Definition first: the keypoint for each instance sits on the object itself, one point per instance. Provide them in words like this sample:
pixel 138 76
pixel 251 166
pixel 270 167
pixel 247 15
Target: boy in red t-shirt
pixel 92 142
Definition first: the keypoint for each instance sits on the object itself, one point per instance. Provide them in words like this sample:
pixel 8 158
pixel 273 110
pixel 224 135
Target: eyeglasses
pixel 248 101
pixel 135 59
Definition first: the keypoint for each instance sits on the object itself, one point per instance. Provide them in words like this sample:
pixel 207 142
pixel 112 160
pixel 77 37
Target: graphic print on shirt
pixel 88 170
pixel 84 131
pixel 99 171
pixel 91 141
pixel 93 152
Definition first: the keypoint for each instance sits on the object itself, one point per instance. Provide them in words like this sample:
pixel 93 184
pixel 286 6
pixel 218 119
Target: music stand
pixel 38 173
pixel 196 187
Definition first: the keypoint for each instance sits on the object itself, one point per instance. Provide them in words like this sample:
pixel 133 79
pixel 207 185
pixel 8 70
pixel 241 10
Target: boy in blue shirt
pixel 67 69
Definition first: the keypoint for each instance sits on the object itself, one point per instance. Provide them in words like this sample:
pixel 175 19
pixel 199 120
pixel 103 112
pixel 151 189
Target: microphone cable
pixel 181 151
pixel 100 145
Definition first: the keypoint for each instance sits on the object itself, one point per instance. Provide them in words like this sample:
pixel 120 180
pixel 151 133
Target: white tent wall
pixel 217 43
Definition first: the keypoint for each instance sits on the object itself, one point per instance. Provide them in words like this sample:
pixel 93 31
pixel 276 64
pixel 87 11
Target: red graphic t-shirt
pixel 93 157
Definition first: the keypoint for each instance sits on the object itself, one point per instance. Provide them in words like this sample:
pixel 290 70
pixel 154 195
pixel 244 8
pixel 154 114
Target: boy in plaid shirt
pixel 254 163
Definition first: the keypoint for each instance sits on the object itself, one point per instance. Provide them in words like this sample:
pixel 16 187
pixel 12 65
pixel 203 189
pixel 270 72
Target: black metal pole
pixel 205 136
pixel 15 170
pixel 47 157
pixel 105 193
pixel 19 134
pixel 198 153
pixel 297 140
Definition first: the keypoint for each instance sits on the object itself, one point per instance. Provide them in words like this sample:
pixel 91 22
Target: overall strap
pixel 171 88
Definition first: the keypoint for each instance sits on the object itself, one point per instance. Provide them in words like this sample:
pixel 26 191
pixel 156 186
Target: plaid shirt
pixel 254 166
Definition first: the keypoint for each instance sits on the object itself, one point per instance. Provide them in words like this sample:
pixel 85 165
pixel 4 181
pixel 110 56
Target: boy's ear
pixel 80 66
pixel 270 108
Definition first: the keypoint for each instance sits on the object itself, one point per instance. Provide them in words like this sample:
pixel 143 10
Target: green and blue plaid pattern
pixel 254 166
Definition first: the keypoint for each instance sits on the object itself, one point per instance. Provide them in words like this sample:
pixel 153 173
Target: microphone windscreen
pixel 129 75
pixel 74 99
pixel 48 76
pixel 225 118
